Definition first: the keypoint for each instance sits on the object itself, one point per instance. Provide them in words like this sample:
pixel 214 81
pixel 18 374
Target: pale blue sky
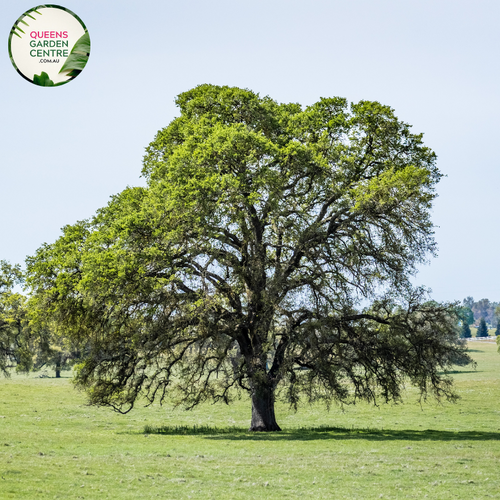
pixel 65 150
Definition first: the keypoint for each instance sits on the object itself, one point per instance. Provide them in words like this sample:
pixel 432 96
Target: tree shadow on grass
pixel 459 372
pixel 321 433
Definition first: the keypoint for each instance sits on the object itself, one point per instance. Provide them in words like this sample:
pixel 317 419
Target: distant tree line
pixel 483 309
pixel 482 314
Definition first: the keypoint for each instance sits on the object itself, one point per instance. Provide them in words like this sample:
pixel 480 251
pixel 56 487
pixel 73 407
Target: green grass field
pixel 53 446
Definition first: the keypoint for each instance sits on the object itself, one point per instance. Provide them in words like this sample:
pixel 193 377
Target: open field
pixel 53 446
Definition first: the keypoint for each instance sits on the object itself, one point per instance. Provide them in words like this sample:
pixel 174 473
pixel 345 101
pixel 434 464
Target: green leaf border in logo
pixel 14 32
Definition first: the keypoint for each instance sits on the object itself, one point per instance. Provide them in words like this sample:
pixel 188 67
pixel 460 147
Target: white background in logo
pixel 49 19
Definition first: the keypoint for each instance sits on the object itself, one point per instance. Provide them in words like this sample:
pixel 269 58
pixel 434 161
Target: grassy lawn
pixel 53 446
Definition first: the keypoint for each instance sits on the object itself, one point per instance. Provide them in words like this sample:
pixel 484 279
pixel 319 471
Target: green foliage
pixel 78 57
pixel 465 331
pixel 50 350
pixel 243 263
pixel 482 330
pixel 9 277
pixel 466 318
pixel 26 344
pixel 466 315
pixel 43 79
pixel 14 331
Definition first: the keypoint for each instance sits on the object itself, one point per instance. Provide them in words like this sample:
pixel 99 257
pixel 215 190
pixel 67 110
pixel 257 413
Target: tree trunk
pixel 58 371
pixel 263 418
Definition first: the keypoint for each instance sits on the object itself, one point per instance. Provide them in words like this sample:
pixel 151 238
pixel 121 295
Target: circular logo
pixel 49 45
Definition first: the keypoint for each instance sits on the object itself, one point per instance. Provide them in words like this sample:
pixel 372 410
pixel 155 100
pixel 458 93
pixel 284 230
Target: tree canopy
pixel 270 252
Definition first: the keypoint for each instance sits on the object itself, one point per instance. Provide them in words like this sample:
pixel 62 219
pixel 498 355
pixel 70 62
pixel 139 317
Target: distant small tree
pixel 482 331
pixel 466 317
pixel 497 331
pixel 465 332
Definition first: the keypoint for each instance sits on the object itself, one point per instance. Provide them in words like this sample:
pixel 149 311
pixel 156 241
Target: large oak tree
pixel 271 252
